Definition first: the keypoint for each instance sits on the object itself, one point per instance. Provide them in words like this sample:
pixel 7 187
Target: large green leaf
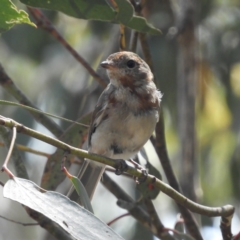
pixel 74 219
pixel 125 11
pixel 90 9
pixel 10 15
pixel 98 10
pixel 140 24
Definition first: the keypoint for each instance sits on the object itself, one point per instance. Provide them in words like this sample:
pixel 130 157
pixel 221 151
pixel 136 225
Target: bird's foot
pixel 144 175
pixel 121 166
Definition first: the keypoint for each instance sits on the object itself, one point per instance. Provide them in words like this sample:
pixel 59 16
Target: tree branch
pixel 7 83
pixel 135 210
pixel 45 24
pixel 15 156
pixel 224 211
pixel 43 221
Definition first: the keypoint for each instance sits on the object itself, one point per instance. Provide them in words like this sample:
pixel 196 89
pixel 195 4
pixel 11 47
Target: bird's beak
pixel 107 64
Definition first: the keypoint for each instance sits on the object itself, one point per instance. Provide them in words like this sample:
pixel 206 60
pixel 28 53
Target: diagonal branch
pixel 19 165
pixel 44 23
pixel 7 83
pixel 135 210
pixel 43 221
pixel 161 149
pixel 154 217
pixel 226 227
pixel 5 164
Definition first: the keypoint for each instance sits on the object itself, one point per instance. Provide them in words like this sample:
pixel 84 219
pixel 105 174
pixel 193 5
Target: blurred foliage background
pixel 58 84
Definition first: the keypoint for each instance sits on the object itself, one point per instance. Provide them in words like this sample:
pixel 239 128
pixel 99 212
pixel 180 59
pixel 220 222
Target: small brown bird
pixel 126 112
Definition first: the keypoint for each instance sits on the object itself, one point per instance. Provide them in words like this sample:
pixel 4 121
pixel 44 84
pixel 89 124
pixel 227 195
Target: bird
pixel 125 115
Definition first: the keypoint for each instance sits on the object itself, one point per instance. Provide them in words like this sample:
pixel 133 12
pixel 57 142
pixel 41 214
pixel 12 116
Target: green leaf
pixel 74 219
pixel 98 10
pixel 82 193
pixel 10 15
pixel 126 17
pixel 148 190
pixel 140 24
pixel 125 11
pixel 90 9
pixel 75 136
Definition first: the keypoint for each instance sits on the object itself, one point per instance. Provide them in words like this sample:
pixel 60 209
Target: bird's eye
pixel 131 64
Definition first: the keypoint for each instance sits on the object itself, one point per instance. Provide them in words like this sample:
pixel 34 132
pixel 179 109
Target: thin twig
pixel 146 50
pixel 5 164
pixel 17 222
pixel 44 23
pixel 27 149
pixel 31 109
pixel 43 221
pixel 63 168
pixel 122 43
pixel 154 216
pixel 225 227
pixel 8 84
pixel 117 218
pixel 133 47
pixel 20 168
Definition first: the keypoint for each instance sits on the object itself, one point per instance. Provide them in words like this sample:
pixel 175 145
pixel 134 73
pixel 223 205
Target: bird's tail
pixel 91 175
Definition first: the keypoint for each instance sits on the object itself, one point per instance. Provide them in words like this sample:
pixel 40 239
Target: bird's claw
pixel 143 177
pixel 136 165
pixel 121 167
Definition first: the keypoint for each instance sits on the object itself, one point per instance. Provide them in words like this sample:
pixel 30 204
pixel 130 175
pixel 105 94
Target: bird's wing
pixel 100 112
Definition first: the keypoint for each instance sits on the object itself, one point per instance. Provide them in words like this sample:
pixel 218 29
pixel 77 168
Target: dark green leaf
pixel 148 190
pixel 98 10
pixel 74 219
pixel 140 24
pixel 126 17
pixel 10 15
pixel 125 11
pixel 90 9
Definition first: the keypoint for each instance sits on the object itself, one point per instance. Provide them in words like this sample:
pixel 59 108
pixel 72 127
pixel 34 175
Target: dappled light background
pixel 52 79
